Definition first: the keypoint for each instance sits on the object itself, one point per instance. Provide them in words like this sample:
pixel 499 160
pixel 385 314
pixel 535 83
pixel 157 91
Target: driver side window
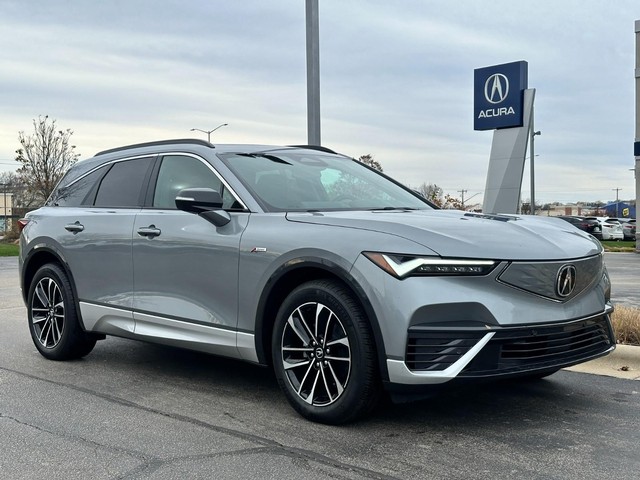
pixel 178 172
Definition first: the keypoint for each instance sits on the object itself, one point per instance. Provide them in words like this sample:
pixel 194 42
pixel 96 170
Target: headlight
pixel 402 266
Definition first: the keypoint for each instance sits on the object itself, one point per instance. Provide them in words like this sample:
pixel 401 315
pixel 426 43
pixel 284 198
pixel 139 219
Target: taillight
pixel 22 223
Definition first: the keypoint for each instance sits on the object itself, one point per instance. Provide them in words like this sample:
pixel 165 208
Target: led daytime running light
pixel 429 266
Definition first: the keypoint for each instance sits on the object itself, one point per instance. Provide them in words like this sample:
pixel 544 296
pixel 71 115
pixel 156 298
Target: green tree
pixel 44 157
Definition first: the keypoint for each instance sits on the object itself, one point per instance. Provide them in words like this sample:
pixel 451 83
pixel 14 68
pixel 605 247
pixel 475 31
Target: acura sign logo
pixel 566 280
pixel 498 95
pixel 496 88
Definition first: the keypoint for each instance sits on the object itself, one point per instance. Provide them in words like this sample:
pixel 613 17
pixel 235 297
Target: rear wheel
pixel 53 318
pixel 324 354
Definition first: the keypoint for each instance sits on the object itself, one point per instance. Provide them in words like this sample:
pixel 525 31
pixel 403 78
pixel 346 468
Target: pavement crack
pixel 293 452
pixel 94 445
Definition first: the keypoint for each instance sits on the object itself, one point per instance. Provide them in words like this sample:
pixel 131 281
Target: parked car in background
pixel 610 228
pixel 629 229
pixel 588 225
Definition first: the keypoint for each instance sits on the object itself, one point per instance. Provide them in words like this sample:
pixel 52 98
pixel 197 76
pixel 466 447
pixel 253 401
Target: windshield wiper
pixel 393 208
pixel 273 158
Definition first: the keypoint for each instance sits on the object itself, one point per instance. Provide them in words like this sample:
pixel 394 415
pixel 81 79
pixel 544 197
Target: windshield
pixel 285 180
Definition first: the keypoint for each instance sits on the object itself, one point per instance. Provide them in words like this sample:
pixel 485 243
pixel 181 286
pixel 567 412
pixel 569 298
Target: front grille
pixel 511 350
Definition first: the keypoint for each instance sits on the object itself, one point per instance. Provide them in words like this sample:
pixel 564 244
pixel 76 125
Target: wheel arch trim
pixel 27 271
pixel 263 326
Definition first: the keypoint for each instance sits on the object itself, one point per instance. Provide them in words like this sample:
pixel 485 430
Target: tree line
pixel 47 153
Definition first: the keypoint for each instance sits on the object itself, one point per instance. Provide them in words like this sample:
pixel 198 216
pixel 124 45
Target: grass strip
pixel 9 250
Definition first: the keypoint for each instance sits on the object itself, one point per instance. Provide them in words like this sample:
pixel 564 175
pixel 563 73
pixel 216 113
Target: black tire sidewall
pixel 351 403
pixel 73 341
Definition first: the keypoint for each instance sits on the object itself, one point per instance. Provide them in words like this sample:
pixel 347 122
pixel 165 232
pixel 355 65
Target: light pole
pixel 209 132
pixel 617 190
pixel 533 180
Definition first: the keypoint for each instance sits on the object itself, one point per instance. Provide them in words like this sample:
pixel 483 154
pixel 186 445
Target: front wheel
pixel 53 319
pixel 324 354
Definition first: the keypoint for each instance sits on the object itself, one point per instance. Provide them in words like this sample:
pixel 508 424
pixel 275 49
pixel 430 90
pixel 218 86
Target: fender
pixel 332 269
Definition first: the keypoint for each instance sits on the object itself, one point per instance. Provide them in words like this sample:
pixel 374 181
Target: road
pixel 137 411
pixel 624 270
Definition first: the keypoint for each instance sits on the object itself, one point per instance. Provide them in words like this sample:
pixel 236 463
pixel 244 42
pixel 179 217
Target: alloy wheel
pixel 47 312
pixel 316 354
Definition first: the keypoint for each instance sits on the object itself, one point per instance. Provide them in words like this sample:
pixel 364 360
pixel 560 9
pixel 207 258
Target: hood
pixel 453 233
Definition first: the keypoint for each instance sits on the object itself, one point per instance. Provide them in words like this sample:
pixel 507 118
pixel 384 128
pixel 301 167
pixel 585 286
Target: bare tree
pixel 370 162
pixel 452 203
pixel 434 194
pixel 431 192
pixel 45 156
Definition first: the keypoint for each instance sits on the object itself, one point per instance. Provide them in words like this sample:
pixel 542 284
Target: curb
pixel 623 362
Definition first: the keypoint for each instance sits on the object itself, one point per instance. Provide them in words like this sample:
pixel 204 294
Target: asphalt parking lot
pixel 134 410
pixel 624 270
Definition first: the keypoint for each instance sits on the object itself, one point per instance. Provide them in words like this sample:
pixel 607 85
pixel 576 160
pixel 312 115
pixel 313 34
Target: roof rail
pixel 190 141
pixel 314 147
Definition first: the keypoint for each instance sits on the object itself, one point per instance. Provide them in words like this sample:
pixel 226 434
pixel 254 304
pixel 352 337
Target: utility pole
pixel 462 192
pixel 617 202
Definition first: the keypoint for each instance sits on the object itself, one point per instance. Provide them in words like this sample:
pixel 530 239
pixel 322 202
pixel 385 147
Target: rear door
pixel 95 237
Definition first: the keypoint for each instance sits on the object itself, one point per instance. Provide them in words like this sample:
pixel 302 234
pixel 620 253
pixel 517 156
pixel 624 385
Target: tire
pixel 324 354
pixel 53 318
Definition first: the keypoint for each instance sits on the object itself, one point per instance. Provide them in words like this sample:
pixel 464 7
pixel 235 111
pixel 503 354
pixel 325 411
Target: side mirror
pixel 205 202
pixel 198 200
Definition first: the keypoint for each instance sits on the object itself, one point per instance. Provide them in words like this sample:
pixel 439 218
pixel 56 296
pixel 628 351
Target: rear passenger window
pixel 122 185
pixel 179 172
pixel 77 193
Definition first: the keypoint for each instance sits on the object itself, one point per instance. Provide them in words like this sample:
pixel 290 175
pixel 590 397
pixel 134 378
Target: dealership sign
pixel 498 95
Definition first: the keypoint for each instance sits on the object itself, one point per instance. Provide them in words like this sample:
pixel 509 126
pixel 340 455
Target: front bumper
pixel 438 355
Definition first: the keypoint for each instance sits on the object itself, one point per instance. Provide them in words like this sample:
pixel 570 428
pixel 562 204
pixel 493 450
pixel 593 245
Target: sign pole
pixel 532 134
pixel 506 163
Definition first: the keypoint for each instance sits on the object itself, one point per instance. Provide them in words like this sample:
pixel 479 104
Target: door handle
pixel 74 227
pixel 149 232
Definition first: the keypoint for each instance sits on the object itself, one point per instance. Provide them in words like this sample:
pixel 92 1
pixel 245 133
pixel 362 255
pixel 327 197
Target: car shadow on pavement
pixel 550 399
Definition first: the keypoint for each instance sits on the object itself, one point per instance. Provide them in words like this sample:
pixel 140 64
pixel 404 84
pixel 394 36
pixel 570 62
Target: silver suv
pixel 342 280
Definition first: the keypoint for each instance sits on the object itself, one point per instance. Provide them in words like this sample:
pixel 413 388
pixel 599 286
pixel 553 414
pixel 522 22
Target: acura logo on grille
pixel 566 280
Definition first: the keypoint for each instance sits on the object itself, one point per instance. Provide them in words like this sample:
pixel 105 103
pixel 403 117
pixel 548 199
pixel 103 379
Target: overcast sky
pixel 396 80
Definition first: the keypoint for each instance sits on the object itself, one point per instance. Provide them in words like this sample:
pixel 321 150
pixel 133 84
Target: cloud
pixel 396 80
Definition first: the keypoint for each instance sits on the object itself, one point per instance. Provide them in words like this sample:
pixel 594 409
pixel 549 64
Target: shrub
pixel 626 324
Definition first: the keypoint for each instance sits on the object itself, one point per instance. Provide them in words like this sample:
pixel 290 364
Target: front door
pixel 185 268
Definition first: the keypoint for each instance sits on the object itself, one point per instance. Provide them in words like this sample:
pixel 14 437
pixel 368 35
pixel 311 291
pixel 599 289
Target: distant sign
pixel 498 95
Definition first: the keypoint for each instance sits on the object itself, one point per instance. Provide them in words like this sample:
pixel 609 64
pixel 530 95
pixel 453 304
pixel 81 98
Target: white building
pixel 6 210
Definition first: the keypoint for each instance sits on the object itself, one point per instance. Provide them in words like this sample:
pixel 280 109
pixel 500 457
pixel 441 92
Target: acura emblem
pixel 566 280
pixel 496 88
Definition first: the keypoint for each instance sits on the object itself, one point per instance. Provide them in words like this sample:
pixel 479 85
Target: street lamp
pixel 209 132
pixel 533 180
